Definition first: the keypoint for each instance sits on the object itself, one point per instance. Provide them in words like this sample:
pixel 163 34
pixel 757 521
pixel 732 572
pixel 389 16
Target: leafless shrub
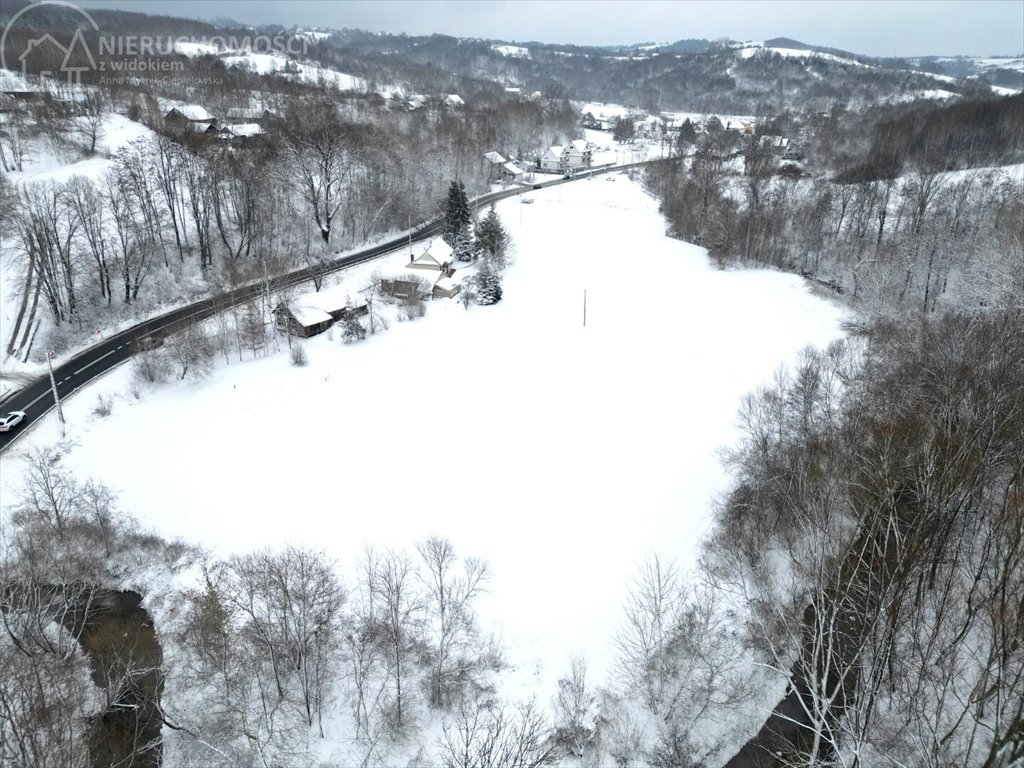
pixel 489 735
pixel 151 366
pixel 573 708
pixel 104 406
pixel 624 739
pixel 412 308
pixel 298 355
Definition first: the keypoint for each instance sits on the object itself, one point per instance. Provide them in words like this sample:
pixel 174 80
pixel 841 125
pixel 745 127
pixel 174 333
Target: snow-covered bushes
pixel 298 355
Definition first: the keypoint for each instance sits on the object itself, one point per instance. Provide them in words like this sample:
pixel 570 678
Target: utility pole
pixel 56 396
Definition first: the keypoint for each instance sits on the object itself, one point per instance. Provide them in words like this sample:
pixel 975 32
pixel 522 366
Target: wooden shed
pixel 301 320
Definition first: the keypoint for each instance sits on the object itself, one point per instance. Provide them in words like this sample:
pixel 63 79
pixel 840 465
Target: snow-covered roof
pixel 307 315
pixel 512 89
pixel 445 283
pixel 193 112
pixel 327 300
pixel 555 150
pixel 197 127
pixel 580 145
pixel 246 130
pixel 494 157
pixel 512 168
pixel 439 251
pixel 453 100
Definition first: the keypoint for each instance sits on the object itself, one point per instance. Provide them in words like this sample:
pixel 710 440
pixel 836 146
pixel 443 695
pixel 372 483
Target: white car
pixel 11 420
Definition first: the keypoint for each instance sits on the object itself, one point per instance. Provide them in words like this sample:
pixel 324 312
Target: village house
pixel 453 101
pixel 494 161
pixel 743 127
pixel 416 101
pixel 244 133
pixel 578 154
pixel 189 118
pixel 511 172
pixel 775 144
pixel 437 258
pixel 554 160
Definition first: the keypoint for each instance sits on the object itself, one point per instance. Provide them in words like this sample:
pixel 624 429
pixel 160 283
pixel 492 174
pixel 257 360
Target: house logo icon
pixel 70 60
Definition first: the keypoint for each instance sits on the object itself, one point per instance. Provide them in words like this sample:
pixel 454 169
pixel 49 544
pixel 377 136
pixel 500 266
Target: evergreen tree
pixel 687 133
pixel 352 329
pixel 487 282
pixel 491 238
pixel 625 130
pixel 456 214
pixel 463 246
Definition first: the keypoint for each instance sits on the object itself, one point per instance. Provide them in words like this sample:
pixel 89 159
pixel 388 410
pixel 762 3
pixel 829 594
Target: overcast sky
pixel 873 27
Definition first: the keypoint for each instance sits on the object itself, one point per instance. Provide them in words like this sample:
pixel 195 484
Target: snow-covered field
pixel 269 63
pixel 513 51
pixel 562 454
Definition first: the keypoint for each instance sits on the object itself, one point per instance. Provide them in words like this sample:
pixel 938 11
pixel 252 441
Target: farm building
pixel 301 320
pixel 313 313
pixel 445 288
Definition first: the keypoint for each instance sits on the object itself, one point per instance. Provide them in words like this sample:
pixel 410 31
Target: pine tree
pixel 625 130
pixel 463 246
pixel 352 329
pixel 456 213
pixel 491 238
pixel 487 282
pixel 687 133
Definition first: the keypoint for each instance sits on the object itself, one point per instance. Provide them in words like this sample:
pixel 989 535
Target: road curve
pixel 36 399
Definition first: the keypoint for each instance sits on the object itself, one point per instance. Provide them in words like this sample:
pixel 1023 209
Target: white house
pixel 437 257
pixel 454 101
pixel 578 154
pixel 553 161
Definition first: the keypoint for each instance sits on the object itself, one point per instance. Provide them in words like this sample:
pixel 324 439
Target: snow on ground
pixel 42 165
pixel 994 62
pixel 195 48
pixel 801 53
pixel 563 454
pixel 514 51
pixel 269 63
pixel 605 111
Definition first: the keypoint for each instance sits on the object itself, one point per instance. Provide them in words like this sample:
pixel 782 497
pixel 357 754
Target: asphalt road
pixel 36 399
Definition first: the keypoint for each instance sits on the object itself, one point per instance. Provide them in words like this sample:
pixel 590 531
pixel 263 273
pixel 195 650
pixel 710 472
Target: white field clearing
pixel 561 454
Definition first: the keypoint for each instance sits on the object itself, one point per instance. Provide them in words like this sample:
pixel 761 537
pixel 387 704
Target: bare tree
pixel 450 596
pixel 489 735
